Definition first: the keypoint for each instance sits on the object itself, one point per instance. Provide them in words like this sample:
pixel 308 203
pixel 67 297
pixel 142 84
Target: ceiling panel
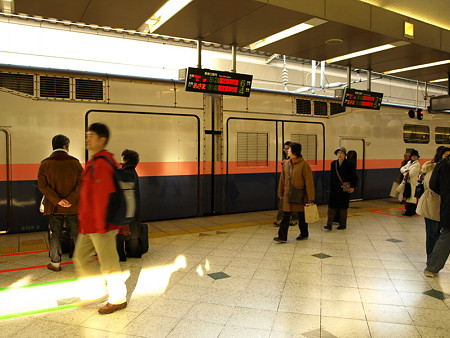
pixel 123 14
pixel 71 10
pixel 311 44
pixel 242 22
pixel 400 57
pixel 239 22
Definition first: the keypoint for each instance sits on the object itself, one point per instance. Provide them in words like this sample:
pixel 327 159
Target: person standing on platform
pixel 411 172
pixel 296 188
pixel 95 235
pixel 59 180
pixel 440 184
pixel 342 183
pixel 294 219
pixel 128 245
pixel 432 226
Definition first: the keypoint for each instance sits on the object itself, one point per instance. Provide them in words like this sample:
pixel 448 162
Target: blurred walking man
pixel 95 235
pixel 59 180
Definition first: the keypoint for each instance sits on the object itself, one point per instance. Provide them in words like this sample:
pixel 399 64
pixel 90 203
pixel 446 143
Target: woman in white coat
pixel 412 168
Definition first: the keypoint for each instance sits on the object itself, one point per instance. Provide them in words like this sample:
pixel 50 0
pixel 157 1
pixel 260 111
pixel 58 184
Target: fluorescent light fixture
pixel 168 10
pixel 425 65
pixel 367 51
pixel 314 22
pixel 439 80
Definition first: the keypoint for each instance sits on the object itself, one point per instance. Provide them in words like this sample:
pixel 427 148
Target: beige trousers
pixel 93 274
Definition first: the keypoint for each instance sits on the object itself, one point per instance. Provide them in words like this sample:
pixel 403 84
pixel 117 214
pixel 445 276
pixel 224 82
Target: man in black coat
pixel 440 183
pixel 342 184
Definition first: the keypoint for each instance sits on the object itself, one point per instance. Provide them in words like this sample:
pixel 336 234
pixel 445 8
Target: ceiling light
pixel 425 65
pixel 334 42
pixel 168 10
pixel 314 22
pixel 439 80
pixel 367 51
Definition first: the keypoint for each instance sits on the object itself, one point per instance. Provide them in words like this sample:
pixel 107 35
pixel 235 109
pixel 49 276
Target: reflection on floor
pixel 223 276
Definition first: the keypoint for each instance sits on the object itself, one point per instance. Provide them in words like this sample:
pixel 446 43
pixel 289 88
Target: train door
pixel 356 154
pixel 5 180
pixel 252 156
pixel 311 137
pixel 169 167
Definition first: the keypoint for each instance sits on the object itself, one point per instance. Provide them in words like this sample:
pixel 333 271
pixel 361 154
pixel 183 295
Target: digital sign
pixel 361 99
pixel 215 82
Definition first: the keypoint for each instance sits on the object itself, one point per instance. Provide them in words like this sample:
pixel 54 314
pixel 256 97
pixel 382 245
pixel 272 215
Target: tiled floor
pixel 224 276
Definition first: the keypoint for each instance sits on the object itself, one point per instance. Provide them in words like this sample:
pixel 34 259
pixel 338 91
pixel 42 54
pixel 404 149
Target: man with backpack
pixel 96 235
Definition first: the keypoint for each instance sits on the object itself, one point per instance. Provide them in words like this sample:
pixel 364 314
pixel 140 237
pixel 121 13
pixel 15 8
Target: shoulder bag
pixel 295 195
pixel 429 205
pixel 346 186
pixel 420 188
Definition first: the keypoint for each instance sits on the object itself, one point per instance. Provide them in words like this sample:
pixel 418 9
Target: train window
pixel 309 146
pixel 320 108
pixel 52 86
pixel 303 106
pixel 252 149
pixel 442 135
pixel 413 133
pixel 22 83
pixel 88 89
pixel 336 108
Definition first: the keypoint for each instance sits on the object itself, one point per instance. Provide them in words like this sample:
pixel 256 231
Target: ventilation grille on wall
pixel 252 149
pixel 88 89
pixel 55 87
pixel 320 108
pixel 336 108
pixel 22 83
pixel 309 146
pixel 303 106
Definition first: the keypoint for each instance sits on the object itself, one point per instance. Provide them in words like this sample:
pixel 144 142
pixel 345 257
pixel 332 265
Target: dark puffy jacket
pixel 440 183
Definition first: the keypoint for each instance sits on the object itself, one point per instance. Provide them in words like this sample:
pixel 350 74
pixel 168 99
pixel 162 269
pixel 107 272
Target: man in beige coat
pixel 296 188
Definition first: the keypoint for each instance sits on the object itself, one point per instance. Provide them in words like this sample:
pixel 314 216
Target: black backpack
pixel 122 202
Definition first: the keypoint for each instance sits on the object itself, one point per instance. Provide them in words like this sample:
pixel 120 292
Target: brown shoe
pixel 110 308
pixel 53 268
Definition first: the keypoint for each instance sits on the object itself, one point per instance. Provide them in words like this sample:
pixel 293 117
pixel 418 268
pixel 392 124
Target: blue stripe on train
pixel 173 197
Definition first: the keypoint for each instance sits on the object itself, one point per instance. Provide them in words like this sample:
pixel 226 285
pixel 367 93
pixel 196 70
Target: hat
pixel 414 153
pixel 341 149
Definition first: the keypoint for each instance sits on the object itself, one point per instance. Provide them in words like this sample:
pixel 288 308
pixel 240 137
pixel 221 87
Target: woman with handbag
pixel 432 219
pixel 342 183
pixel 296 188
pixel 411 172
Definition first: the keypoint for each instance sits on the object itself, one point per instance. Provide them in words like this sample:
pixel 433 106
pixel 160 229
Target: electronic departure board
pixel 216 82
pixel 361 99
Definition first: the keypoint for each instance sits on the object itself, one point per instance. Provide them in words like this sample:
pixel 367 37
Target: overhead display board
pixel 361 99
pixel 216 82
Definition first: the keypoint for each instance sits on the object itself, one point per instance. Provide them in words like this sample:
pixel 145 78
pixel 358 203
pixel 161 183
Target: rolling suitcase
pixel 143 238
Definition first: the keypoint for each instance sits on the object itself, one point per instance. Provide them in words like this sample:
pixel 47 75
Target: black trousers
pixel 284 226
pixel 410 209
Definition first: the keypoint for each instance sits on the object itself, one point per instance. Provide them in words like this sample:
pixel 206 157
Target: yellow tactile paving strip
pixel 37 241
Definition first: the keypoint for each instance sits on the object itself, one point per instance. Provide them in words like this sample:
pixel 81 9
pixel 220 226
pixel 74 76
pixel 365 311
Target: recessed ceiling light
pixel 367 51
pixel 314 22
pixel 334 42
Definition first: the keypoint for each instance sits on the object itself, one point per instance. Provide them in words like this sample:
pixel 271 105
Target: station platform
pixel 224 276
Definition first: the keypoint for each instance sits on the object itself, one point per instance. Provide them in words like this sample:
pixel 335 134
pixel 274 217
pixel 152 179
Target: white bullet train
pixel 200 154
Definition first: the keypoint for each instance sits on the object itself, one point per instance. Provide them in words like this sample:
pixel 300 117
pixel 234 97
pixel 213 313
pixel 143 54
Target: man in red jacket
pixel 95 235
